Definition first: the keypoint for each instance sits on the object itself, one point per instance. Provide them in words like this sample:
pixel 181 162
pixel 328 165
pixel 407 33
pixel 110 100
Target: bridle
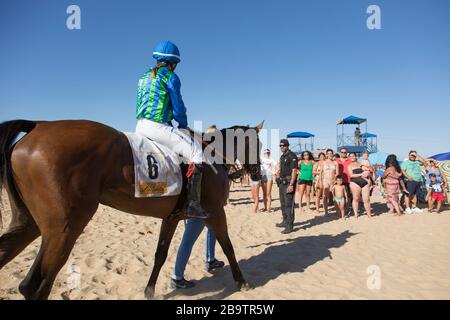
pixel 235 173
pixel 233 170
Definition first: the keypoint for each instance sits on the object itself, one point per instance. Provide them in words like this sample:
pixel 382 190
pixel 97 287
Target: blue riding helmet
pixel 166 51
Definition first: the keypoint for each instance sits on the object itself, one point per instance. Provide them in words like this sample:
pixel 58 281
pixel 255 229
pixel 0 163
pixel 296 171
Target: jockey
pixel 158 102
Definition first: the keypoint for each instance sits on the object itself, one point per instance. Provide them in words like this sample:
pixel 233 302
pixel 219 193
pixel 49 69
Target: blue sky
pixel 298 65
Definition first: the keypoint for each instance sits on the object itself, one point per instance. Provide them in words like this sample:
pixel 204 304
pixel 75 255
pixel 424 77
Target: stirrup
pixel 195 210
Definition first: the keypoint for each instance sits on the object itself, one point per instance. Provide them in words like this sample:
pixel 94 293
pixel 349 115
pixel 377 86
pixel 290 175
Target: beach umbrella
pixel 442 157
pixel 378 158
pixel 445 167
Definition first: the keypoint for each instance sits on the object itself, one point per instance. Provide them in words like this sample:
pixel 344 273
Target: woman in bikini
pixel 317 169
pixel 329 172
pixel 359 186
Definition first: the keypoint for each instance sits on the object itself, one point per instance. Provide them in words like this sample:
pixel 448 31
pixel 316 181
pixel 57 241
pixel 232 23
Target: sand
pixel 385 257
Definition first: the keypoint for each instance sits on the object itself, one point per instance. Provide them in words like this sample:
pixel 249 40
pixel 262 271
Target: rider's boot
pixel 194 209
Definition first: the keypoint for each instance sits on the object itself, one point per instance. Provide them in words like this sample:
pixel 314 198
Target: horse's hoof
pixel 149 292
pixel 24 291
pixel 243 286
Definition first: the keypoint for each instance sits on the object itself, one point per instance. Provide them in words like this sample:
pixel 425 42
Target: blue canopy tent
pixel 302 135
pixel 352 120
pixel 368 135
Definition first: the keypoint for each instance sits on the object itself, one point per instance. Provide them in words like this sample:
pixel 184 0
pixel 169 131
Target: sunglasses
pixel 344 152
pixel 282 145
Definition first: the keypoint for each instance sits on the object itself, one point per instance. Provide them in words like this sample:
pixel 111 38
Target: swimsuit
pixel 339 199
pixel 359 180
pixel 327 183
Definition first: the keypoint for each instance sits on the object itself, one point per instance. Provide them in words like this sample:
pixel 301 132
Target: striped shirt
pixel 159 99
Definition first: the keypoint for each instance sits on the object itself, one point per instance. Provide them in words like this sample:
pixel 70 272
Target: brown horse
pixel 59 172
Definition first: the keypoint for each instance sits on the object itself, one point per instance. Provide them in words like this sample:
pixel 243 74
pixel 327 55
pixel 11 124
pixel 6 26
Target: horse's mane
pixel 235 128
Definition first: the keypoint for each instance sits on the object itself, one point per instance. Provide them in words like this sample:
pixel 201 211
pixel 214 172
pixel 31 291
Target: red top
pixel 343 168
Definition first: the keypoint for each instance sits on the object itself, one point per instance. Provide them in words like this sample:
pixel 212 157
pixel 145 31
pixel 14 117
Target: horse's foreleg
pixel 218 224
pixel 168 227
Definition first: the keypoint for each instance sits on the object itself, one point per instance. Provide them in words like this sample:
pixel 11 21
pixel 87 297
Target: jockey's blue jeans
pixel 192 231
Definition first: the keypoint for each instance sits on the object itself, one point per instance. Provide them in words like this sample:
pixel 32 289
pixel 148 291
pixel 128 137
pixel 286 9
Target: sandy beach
pixel 325 258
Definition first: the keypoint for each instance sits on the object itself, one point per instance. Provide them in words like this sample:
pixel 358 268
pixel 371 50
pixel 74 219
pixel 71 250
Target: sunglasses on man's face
pixel 282 145
pixel 344 152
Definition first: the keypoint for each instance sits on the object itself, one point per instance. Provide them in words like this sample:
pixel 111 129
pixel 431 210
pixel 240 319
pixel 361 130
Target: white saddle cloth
pixel 157 169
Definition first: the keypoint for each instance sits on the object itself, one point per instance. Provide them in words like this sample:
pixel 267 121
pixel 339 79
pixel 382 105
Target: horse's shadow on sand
pixel 290 255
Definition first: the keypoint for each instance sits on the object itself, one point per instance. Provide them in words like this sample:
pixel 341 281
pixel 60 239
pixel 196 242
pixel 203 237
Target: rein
pixel 237 172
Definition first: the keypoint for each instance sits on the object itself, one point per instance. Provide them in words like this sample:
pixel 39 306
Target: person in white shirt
pixel 268 168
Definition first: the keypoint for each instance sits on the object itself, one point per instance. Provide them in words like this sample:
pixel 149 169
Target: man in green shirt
pixel 412 170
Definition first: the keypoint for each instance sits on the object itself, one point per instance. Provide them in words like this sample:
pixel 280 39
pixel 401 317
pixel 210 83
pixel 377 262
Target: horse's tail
pixel 9 131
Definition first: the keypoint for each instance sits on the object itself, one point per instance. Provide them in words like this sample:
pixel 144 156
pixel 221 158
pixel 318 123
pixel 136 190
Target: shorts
pixel 438 196
pixel 254 183
pixel 266 178
pixel 413 188
pixel 307 182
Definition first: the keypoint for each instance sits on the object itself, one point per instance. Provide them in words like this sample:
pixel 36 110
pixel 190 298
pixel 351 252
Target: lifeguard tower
pixel 359 140
pixel 305 141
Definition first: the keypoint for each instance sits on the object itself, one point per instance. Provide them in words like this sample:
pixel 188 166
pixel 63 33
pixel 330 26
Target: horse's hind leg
pixel 168 227
pixel 218 224
pixel 21 232
pixel 52 256
pixel 58 238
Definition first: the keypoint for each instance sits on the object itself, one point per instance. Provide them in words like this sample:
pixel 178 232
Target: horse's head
pixel 241 144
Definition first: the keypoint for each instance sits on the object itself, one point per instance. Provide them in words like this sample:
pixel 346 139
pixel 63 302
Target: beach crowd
pixel 337 183
pixel 333 183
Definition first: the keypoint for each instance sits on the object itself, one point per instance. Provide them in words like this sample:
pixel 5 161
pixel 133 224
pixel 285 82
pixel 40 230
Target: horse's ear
pixel 211 129
pixel 259 126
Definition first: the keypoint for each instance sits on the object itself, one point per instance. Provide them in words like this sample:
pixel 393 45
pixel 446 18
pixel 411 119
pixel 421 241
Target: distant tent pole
pixel 366 138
